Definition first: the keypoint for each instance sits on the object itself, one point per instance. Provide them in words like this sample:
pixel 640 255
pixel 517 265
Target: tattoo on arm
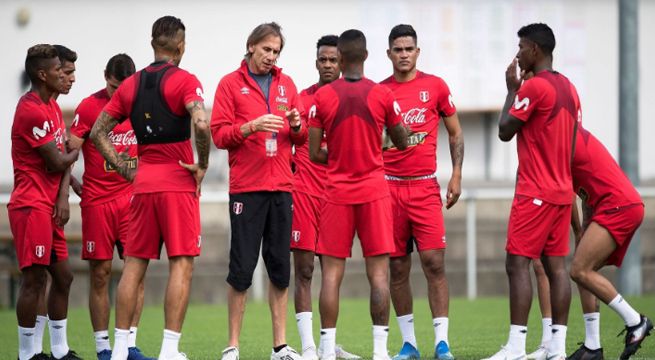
pixel 101 129
pixel 201 131
pixel 457 151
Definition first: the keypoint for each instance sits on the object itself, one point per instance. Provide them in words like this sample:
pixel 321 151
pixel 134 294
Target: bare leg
pixel 400 289
pixel 236 305
pixel 593 250
pixel 332 275
pixel 520 288
pixel 303 262
pixel 543 288
pixel 62 278
pixel 33 282
pixel 177 292
pixel 377 270
pixel 435 273
pixel 560 288
pixel 126 297
pixel 139 304
pixel 100 275
pixel 277 299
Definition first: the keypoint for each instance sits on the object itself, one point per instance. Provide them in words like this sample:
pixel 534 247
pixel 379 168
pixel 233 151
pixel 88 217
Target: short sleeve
pixel 314 113
pixel 36 128
pixel 525 101
pixel 192 90
pixel 445 103
pixel 116 107
pixel 84 119
pixel 393 111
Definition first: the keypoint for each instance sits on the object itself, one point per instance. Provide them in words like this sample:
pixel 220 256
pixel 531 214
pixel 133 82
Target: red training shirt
pixel 424 100
pixel 35 124
pixel 100 182
pixel 352 115
pixel 549 106
pixel 158 168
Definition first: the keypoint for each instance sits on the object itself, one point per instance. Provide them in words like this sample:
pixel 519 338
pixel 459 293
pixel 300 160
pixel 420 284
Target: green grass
pixel 477 329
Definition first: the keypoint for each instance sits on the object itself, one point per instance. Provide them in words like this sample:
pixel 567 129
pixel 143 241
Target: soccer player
pixel 105 205
pixel 352 113
pixel 248 120
pixel 612 212
pixel 543 112
pixel 543 293
pixel 308 196
pixel 163 103
pixel 35 217
pixel 415 193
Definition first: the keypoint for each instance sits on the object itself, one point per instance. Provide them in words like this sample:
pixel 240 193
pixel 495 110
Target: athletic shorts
pixel 260 219
pixel 37 240
pixel 166 218
pixel 538 228
pixel 372 221
pixel 621 223
pixel 306 214
pixel 105 226
pixel 417 216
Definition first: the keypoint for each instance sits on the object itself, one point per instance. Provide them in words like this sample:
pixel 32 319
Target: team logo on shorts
pixel 281 90
pixel 199 241
pixel 424 96
pixel 237 208
pixel 90 246
pixel 295 235
pixel 39 251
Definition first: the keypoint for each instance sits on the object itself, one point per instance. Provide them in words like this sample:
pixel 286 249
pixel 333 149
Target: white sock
pixel 592 330
pixel 328 342
pixel 440 325
pixel 131 339
pixel 102 340
pixel 25 343
pixel 625 311
pixel 546 331
pixel 304 322
pixel 406 325
pixel 380 336
pixel 169 344
pixel 58 340
pixel 517 336
pixel 119 352
pixel 39 330
pixel 558 342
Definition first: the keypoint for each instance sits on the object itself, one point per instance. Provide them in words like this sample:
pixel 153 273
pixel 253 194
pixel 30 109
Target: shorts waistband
pixel 414 178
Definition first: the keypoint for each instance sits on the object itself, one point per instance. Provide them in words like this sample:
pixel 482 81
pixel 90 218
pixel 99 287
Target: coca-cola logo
pixel 125 139
pixel 415 116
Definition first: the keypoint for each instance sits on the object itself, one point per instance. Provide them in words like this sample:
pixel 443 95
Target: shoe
pixel 286 353
pixel 442 351
pixel 504 354
pixel 104 355
pixel 230 353
pixel 178 356
pixel 556 357
pixel 407 352
pixel 40 356
pixel 309 353
pixel 539 354
pixel 70 355
pixel 343 354
pixel 634 336
pixel 134 353
pixel 584 353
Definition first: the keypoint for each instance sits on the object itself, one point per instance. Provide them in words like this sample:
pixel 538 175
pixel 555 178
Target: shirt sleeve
pixel 83 120
pixel 116 107
pixel 298 138
pixel 445 104
pixel 315 112
pixel 36 129
pixel 526 100
pixel 393 111
pixel 192 90
pixel 225 133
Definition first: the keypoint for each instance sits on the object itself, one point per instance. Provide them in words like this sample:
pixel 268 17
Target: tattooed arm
pixel 456 141
pixel 202 134
pixel 99 132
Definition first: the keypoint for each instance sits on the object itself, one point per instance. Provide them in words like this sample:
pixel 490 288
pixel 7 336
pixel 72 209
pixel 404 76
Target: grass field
pixel 477 329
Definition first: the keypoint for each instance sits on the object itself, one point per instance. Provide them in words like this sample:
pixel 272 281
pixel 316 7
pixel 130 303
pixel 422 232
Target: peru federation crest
pixel 237 208
pixel 424 95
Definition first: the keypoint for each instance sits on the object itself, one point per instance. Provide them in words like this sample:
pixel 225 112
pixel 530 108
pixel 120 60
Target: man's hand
pixel 61 211
pixel 197 172
pixel 512 78
pixel 293 116
pixel 267 122
pixel 454 191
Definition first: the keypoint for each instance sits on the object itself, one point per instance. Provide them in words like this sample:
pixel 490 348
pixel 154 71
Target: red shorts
pixel 105 226
pixel 417 215
pixel 538 228
pixel 304 229
pixel 37 240
pixel 372 221
pixel 621 223
pixel 171 218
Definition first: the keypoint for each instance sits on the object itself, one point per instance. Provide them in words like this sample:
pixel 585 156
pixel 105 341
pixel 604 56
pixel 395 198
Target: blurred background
pixel 468 43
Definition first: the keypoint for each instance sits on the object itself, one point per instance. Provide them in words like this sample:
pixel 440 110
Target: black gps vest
pixel 152 119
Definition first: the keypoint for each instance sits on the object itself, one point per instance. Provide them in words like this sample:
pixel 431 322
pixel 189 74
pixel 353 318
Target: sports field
pixel 477 329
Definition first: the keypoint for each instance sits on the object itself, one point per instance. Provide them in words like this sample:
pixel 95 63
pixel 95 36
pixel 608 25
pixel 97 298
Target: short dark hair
pixel 37 57
pixel 352 45
pixel 540 34
pixel 400 31
pixel 164 30
pixel 120 66
pixel 261 32
pixel 327 40
pixel 65 54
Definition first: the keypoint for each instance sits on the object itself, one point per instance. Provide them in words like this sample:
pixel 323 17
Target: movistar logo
pixel 518 104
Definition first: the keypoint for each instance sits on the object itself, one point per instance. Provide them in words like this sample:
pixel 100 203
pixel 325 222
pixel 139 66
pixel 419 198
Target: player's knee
pixel 33 283
pixel 434 267
pixel 63 279
pixel 578 273
pixel 304 273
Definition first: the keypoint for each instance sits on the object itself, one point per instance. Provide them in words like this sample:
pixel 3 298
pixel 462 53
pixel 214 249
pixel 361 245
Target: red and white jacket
pixel 238 100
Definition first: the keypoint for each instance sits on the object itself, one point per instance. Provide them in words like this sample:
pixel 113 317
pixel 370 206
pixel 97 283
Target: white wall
pixel 469 43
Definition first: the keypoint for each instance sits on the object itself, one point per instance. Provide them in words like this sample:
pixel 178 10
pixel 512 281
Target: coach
pixel 248 120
